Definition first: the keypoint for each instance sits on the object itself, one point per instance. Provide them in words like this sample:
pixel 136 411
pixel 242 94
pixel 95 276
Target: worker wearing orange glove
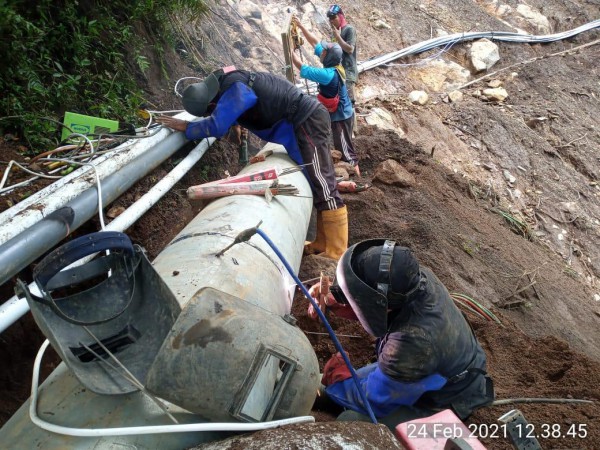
pixel 428 358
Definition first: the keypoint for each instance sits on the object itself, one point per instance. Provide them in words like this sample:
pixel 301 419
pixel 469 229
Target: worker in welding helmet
pixel 428 358
pixel 276 111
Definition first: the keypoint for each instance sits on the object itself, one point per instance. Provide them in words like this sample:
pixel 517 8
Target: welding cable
pixel 334 338
pixel 148 429
pixel 468 308
pixel 477 307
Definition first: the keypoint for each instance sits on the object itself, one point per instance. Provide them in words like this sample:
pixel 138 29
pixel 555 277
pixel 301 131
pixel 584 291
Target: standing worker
pixel 428 358
pixel 276 111
pixel 333 92
pixel 345 35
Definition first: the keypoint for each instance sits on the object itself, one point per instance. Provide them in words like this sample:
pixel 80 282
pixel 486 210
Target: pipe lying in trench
pixel 24 248
pixel 234 315
pixel 31 210
pixel 14 308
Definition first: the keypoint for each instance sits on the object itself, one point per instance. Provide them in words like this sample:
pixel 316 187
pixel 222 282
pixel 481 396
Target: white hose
pixel 149 429
pixel 502 36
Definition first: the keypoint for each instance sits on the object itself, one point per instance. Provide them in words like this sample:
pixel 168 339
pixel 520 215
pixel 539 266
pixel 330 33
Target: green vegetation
pixel 83 56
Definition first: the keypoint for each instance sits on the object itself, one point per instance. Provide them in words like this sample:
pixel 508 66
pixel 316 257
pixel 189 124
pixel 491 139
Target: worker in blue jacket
pixel 333 91
pixel 276 111
pixel 428 358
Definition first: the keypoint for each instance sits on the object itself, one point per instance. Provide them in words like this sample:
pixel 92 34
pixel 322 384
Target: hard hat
pixel 333 11
pixel 197 96
pixel 377 275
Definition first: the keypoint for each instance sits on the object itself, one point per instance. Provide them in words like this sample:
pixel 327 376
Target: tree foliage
pixel 84 56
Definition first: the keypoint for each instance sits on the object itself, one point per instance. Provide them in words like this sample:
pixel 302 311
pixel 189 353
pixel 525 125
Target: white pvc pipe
pixel 149 199
pixel 33 209
pixel 15 308
pixel 152 429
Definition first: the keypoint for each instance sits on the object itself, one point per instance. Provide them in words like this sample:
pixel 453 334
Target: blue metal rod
pixel 334 338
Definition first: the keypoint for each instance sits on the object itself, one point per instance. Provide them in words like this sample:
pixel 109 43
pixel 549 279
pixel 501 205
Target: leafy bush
pixel 79 56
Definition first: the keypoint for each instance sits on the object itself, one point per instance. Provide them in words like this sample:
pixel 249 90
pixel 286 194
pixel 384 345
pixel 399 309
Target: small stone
pixel 115 211
pixel 508 176
pixel 496 94
pixel 455 96
pixel 381 25
pixel 418 97
pixel 495 83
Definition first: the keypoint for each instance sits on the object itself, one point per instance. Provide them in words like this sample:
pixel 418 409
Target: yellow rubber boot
pixel 318 245
pixel 335 225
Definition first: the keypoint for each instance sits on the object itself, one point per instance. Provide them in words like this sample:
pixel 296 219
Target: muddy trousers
pixel 332 220
pixel 342 139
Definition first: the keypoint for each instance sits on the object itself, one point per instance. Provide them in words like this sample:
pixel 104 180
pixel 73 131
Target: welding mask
pixel 197 96
pixel 100 300
pixel 374 277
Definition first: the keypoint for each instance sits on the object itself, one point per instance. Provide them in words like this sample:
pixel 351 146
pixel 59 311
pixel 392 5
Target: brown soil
pixel 541 289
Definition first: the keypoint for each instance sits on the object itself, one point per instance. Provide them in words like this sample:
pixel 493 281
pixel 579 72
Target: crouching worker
pixel 276 111
pixel 428 358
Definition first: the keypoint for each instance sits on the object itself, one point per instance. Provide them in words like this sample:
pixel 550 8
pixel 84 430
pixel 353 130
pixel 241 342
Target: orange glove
pixel 331 304
pixel 335 370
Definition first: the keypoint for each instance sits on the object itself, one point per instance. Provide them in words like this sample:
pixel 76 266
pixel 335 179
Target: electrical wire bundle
pixel 474 307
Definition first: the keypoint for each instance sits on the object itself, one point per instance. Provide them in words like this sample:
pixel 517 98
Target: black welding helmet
pixel 99 300
pixel 375 276
pixel 197 96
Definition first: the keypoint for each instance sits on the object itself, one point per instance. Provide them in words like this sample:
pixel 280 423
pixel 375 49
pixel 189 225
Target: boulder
pixel 381 118
pixel 336 155
pixel 341 172
pixel 455 96
pixel 484 54
pixel 346 166
pixel 495 94
pixel 440 75
pixel 534 18
pixel 391 172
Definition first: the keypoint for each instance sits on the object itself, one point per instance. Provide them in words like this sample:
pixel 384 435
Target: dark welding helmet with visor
pixel 99 300
pixel 375 276
pixel 196 97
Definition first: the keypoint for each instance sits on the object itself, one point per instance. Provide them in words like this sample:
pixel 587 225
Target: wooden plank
pixel 288 49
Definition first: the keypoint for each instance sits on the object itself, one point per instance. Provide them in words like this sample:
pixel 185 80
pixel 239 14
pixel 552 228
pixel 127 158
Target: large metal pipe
pixel 24 248
pixel 249 271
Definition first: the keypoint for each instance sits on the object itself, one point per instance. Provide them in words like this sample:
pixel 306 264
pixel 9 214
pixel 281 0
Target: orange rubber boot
pixel 335 227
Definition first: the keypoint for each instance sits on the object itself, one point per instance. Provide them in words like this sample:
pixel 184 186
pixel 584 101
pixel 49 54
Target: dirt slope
pixel 543 289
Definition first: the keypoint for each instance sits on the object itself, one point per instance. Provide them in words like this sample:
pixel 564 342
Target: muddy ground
pixel 546 134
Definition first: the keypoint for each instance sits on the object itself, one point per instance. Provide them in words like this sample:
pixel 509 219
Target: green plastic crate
pixel 88 125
